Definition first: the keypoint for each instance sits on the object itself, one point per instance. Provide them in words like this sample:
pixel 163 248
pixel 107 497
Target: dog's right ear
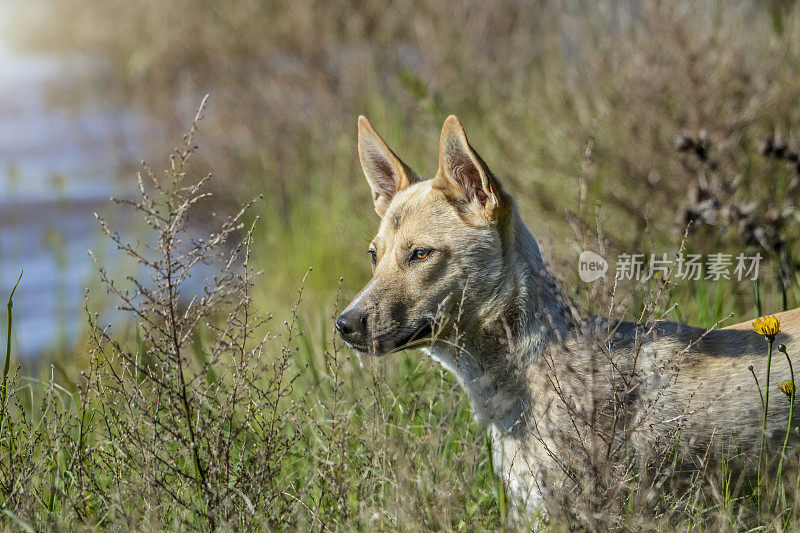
pixel 385 172
pixel 464 177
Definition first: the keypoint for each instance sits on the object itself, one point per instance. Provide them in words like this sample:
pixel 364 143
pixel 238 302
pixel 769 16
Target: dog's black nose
pixel 352 326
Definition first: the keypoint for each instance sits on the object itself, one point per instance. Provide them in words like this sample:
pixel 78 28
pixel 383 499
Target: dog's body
pixel 458 274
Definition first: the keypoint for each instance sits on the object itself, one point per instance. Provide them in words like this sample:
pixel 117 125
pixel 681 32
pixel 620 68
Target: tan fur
pixel 561 394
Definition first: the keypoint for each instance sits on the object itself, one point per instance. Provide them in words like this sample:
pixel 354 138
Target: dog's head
pixel 439 249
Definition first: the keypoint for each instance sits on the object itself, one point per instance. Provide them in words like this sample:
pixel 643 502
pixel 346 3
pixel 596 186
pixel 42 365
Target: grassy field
pixel 613 124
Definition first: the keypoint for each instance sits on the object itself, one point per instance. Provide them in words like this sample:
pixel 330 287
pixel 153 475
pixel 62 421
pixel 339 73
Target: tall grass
pixel 212 416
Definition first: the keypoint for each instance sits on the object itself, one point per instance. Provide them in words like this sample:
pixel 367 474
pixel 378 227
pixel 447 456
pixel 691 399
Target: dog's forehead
pixel 417 205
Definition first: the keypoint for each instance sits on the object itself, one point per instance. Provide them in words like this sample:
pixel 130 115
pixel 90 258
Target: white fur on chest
pixel 490 406
pixel 501 413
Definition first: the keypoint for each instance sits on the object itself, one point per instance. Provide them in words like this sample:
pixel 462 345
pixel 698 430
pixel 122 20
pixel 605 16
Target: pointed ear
pixel 385 172
pixel 464 177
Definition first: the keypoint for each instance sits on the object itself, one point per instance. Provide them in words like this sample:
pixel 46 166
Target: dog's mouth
pixel 419 337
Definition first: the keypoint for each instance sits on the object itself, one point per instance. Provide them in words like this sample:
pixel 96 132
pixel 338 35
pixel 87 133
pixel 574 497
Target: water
pixel 56 169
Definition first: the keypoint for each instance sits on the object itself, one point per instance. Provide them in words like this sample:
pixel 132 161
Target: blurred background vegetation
pixel 636 117
pixel 556 98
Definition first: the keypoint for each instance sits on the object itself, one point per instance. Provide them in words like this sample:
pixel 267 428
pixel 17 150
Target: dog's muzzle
pixel 352 326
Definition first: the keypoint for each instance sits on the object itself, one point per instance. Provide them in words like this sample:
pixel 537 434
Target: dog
pixel 457 273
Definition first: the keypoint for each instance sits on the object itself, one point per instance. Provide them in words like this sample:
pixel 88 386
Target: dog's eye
pixel 420 254
pixel 374 257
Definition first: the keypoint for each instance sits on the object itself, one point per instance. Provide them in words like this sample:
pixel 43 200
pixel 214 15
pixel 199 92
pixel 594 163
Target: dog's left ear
pixel 385 172
pixel 464 177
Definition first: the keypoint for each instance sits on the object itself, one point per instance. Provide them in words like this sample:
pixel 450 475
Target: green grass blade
pixel 7 364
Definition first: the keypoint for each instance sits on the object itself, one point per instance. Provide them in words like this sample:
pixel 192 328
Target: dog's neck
pixel 527 314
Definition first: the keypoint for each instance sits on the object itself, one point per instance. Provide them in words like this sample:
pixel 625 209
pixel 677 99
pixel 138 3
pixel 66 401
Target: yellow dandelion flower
pixel 769 326
pixel 787 388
